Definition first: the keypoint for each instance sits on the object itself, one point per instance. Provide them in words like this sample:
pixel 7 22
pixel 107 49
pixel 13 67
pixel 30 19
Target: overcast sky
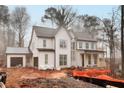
pixel 36 11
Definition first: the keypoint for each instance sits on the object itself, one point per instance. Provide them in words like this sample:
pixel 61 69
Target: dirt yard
pixel 30 77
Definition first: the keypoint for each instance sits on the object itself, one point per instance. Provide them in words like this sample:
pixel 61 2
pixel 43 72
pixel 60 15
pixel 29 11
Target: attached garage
pixel 17 57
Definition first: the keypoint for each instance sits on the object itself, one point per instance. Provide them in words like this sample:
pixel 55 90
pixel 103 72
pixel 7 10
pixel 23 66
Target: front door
pixel 35 61
pixel 82 60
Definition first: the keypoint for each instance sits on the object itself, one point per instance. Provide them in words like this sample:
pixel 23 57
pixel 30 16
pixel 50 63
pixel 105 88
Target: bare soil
pixel 30 77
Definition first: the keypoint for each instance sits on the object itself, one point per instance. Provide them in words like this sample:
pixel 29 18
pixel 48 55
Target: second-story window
pixel 80 44
pixel 92 45
pixel 87 45
pixel 44 43
pixel 62 44
pixel 73 45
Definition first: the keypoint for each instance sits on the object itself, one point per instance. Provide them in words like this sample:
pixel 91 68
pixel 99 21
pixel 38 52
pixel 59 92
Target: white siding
pixel 49 43
pixel 78 61
pixel 34 45
pixel 62 34
pixel 41 60
pixel 84 45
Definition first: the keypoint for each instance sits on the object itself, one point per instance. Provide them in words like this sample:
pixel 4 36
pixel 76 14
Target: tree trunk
pixel 122 38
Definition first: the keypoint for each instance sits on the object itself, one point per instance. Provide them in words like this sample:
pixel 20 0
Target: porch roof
pixel 92 51
pixel 17 50
pixel 45 49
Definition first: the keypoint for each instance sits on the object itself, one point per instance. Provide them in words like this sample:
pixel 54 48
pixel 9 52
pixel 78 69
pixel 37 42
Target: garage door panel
pixel 16 61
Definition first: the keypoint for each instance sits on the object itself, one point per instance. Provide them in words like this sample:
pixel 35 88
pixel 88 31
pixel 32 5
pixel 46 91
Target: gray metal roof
pixel 84 36
pixel 17 50
pixel 44 31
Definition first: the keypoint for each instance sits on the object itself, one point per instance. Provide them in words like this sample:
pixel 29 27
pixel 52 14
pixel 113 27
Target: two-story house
pixel 55 49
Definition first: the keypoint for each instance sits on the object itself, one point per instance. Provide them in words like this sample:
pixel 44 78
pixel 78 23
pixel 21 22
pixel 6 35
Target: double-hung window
pixel 62 44
pixel 46 58
pixel 92 45
pixel 44 43
pixel 80 44
pixel 63 60
pixel 87 45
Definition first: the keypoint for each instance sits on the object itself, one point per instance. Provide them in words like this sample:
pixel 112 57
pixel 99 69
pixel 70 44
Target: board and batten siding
pixel 49 43
pixel 84 45
pixel 62 35
pixel 42 64
pixel 34 45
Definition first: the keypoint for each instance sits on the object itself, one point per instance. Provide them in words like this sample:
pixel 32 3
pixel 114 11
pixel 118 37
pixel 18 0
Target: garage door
pixel 16 61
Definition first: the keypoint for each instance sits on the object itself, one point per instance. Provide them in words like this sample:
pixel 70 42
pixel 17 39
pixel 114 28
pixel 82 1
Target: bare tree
pixel 20 22
pixel 111 30
pixel 4 21
pixel 6 34
pixel 122 38
pixel 61 16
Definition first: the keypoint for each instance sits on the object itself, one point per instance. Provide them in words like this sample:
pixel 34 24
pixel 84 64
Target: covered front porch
pixel 90 58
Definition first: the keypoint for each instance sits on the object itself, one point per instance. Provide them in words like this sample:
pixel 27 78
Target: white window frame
pixel 92 45
pixel 63 43
pixel 80 45
pixel 46 59
pixel 87 45
pixel 73 45
pixel 44 43
pixel 62 60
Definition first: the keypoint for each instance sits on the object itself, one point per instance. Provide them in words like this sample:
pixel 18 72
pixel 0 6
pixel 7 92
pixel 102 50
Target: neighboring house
pixel 57 48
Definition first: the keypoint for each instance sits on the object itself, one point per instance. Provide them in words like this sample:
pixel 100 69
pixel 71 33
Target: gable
pixel 63 32
pixel 44 32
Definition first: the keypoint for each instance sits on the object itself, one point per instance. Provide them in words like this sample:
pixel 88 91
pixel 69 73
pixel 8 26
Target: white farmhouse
pixel 55 49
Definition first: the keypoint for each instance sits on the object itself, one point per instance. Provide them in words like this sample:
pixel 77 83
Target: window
pixel 89 59
pixel 46 58
pixel 80 44
pixel 92 45
pixel 62 44
pixel 95 58
pixel 87 45
pixel 63 60
pixel 44 43
pixel 73 45
pixel 35 61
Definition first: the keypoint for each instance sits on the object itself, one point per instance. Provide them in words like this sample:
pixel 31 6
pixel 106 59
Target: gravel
pixel 55 83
